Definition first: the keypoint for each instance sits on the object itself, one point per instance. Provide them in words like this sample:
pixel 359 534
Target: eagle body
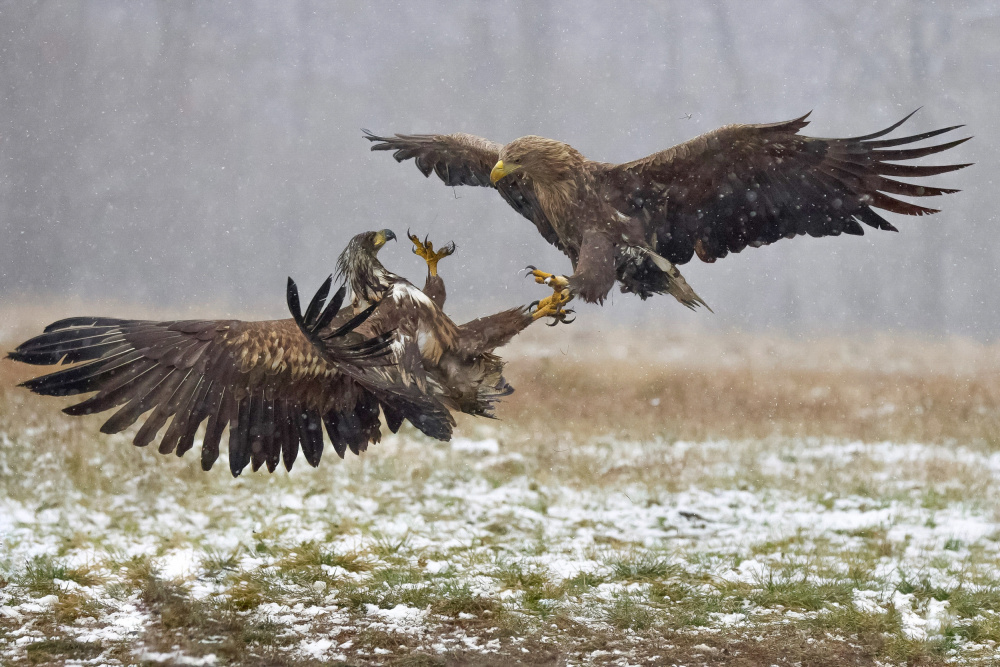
pixel 452 362
pixel 734 187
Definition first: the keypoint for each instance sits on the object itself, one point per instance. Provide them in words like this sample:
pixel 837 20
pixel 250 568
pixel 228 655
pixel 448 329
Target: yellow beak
pixel 500 170
pixel 382 236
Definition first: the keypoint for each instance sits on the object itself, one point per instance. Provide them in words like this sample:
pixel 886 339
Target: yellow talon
pixel 552 306
pixel 425 249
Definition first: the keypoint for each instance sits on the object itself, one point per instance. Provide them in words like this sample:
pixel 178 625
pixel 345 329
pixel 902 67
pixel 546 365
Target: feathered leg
pixel 426 250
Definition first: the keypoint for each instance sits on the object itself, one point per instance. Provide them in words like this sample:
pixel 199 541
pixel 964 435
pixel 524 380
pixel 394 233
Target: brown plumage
pixel 738 186
pixel 275 384
pixel 454 363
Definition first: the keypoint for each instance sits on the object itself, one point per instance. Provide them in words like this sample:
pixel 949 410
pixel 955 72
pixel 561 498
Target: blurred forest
pixel 189 155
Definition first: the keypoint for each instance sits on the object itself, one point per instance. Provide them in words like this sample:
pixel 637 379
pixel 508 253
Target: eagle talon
pixel 426 250
pixel 560 317
pixel 552 306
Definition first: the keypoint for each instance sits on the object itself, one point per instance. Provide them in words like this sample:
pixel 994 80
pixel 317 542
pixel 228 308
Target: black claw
pixel 569 321
pixel 533 304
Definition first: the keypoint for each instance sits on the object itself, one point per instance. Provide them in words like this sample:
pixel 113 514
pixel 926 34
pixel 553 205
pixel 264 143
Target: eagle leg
pixel 426 250
pixel 552 306
pixel 557 283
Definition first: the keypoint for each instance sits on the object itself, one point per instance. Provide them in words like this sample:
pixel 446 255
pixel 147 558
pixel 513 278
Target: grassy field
pixel 644 500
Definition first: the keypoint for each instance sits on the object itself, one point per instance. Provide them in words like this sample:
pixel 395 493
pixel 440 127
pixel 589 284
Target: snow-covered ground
pixel 494 545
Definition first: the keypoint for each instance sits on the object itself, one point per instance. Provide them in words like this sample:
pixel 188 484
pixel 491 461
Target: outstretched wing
pixel 485 334
pixel 457 159
pixel 264 380
pixel 751 185
pixel 465 159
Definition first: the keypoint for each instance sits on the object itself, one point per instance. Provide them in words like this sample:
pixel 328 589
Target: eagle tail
pixel 645 272
pixel 491 389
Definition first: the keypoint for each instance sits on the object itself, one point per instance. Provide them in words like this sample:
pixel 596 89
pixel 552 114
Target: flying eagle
pixel 737 186
pixel 276 384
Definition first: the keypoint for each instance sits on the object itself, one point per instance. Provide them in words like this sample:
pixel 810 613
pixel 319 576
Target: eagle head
pixel 358 265
pixel 543 160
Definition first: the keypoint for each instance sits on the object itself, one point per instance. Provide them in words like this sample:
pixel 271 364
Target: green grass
pixel 628 612
pixel 642 567
pixel 41 572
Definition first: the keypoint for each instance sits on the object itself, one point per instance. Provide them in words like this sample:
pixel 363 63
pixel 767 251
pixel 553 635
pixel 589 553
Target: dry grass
pixel 697 387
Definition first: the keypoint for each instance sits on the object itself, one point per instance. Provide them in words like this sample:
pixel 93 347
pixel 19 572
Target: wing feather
pixel 288 433
pixel 220 405
pixel 176 437
pixel 465 159
pixel 750 185
pixel 247 376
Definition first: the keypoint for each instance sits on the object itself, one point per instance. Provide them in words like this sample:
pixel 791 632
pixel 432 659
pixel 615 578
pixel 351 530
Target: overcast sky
pixel 190 155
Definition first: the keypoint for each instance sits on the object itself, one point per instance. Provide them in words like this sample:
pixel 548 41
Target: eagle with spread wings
pixel 277 384
pixel 737 186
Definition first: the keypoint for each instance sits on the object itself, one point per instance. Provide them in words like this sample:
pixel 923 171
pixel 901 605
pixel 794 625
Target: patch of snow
pixel 400 614
pixel 317 647
pixel 10 612
pixel 749 571
pixel 467 446
pixel 938 617
pixel 178 658
pixel 867 601
pixel 913 625
pixel 729 619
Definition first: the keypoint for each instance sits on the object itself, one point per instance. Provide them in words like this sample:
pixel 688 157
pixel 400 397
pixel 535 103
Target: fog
pixel 189 156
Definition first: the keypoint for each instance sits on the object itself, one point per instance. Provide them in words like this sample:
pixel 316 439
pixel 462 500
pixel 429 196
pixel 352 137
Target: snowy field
pixel 581 545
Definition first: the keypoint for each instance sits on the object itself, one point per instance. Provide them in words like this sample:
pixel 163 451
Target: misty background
pixel 189 155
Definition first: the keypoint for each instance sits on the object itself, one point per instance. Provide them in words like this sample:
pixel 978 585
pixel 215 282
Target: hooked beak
pixel 382 236
pixel 500 170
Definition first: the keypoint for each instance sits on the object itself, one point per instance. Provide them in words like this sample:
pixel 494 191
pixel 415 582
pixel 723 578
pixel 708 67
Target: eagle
pixel 455 363
pixel 737 186
pixel 277 384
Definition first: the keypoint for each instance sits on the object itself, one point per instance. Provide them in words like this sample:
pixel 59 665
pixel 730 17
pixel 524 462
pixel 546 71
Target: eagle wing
pixel 465 159
pixel 485 334
pixel 399 381
pixel 751 185
pixel 265 380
